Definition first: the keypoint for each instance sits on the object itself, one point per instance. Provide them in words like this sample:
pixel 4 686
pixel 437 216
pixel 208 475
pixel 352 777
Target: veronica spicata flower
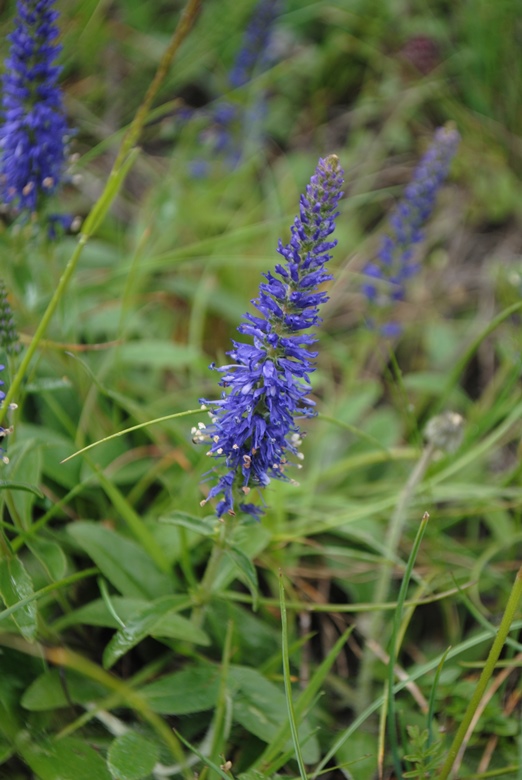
pixel 396 262
pixel 231 125
pixel 254 49
pixel 254 424
pixel 34 131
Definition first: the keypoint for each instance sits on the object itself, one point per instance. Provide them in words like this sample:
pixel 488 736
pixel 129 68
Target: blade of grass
pixel 419 672
pixel 129 430
pixel 392 732
pixel 302 705
pixel 433 692
pixel 81 575
pixel 475 344
pixel 207 761
pixel 288 684
pixel 135 523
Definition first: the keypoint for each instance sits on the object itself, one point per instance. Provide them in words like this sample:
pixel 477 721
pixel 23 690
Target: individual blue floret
pixel 254 425
pixel 33 137
pixel 396 262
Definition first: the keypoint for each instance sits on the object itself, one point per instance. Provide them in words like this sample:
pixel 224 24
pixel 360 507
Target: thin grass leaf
pixel 288 683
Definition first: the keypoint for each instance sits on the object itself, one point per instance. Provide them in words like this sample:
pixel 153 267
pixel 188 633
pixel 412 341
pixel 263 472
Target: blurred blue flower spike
pixel 254 426
pixel 232 126
pixel 253 54
pixel 396 262
pixel 33 136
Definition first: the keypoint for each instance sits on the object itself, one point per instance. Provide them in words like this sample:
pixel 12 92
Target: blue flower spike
pixel 255 44
pixel 34 133
pixel 396 263
pixel 254 428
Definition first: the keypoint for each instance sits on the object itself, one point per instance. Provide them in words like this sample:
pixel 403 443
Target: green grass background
pixel 119 656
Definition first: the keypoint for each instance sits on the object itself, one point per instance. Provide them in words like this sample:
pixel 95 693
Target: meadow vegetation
pixel 367 624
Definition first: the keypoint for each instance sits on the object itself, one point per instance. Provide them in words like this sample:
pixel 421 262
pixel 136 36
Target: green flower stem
pixel 121 166
pixel 204 591
pixel 380 595
pixel 489 668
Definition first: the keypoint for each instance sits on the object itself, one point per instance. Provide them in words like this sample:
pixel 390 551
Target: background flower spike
pixel 33 136
pixel 254 428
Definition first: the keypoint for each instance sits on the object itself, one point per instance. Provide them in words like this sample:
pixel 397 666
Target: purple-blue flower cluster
pixel 230 124
pixel 396 261
pixel 254 49
pixel 33 136
pixel 254 426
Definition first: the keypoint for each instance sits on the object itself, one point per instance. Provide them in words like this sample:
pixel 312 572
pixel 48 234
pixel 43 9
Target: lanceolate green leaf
pixel 132 756
pixel 156 619
pixel 194 689
pixel 123 562
pixel 246 566
pixel 16 585
pixel 65 759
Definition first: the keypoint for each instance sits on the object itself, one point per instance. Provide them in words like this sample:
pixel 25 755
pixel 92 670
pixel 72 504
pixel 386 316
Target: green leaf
pixel 135 523
pixel 191 690
pixel 132 756
pixel 245 565
pixel 260 707
pixel 204 527
pixel 251 540
pixel 48 384
pixel 54 689
pixel 15 585
pixel 360 755
pixel 122 561
pixel 55 447
pixel 6 484
pixel 157 354
pixel 6 750
pixel 65 759
pixel 154 620
pixel 26 468
pixel 50 555
pixel 96 613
